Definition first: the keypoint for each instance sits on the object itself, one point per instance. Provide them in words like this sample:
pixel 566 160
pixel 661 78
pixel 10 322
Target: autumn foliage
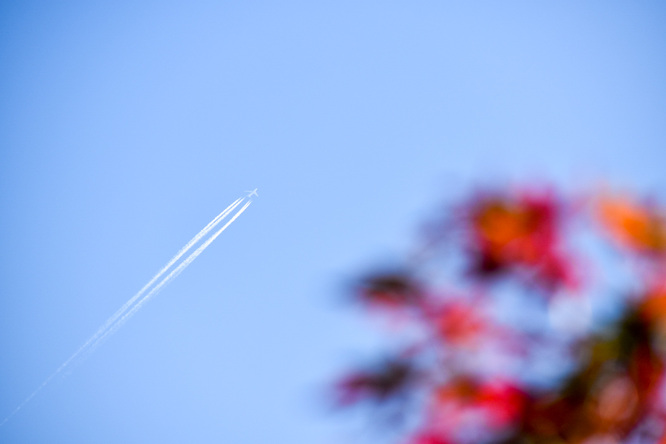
pixel 526 317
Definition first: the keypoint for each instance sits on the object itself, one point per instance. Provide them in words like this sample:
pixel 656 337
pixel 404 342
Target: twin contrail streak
pixel 164 269
pixel 135 303
pixel 175 272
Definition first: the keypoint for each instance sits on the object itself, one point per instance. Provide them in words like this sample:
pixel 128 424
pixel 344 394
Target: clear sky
pixel 126 126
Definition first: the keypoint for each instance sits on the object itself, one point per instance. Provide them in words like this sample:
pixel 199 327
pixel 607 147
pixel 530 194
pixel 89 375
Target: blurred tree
pixel 510 329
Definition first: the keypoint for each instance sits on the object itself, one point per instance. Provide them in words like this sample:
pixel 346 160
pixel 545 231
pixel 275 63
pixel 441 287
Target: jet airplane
pixel 252 193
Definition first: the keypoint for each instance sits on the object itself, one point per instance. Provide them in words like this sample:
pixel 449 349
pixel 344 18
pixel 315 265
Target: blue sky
pixel 125 127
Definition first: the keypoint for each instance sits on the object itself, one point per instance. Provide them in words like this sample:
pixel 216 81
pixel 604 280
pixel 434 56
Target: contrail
pixel 109 322
pixel 169 264
pixel 174 273
pixel 103 331
pixel 124 313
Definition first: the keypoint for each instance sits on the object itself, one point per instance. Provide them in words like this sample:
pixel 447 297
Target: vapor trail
pixel 122 315
pixel 169 264
pixel 174 273
pixel 109 322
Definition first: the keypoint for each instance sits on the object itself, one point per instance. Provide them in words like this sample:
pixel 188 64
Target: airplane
pixel 252 193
